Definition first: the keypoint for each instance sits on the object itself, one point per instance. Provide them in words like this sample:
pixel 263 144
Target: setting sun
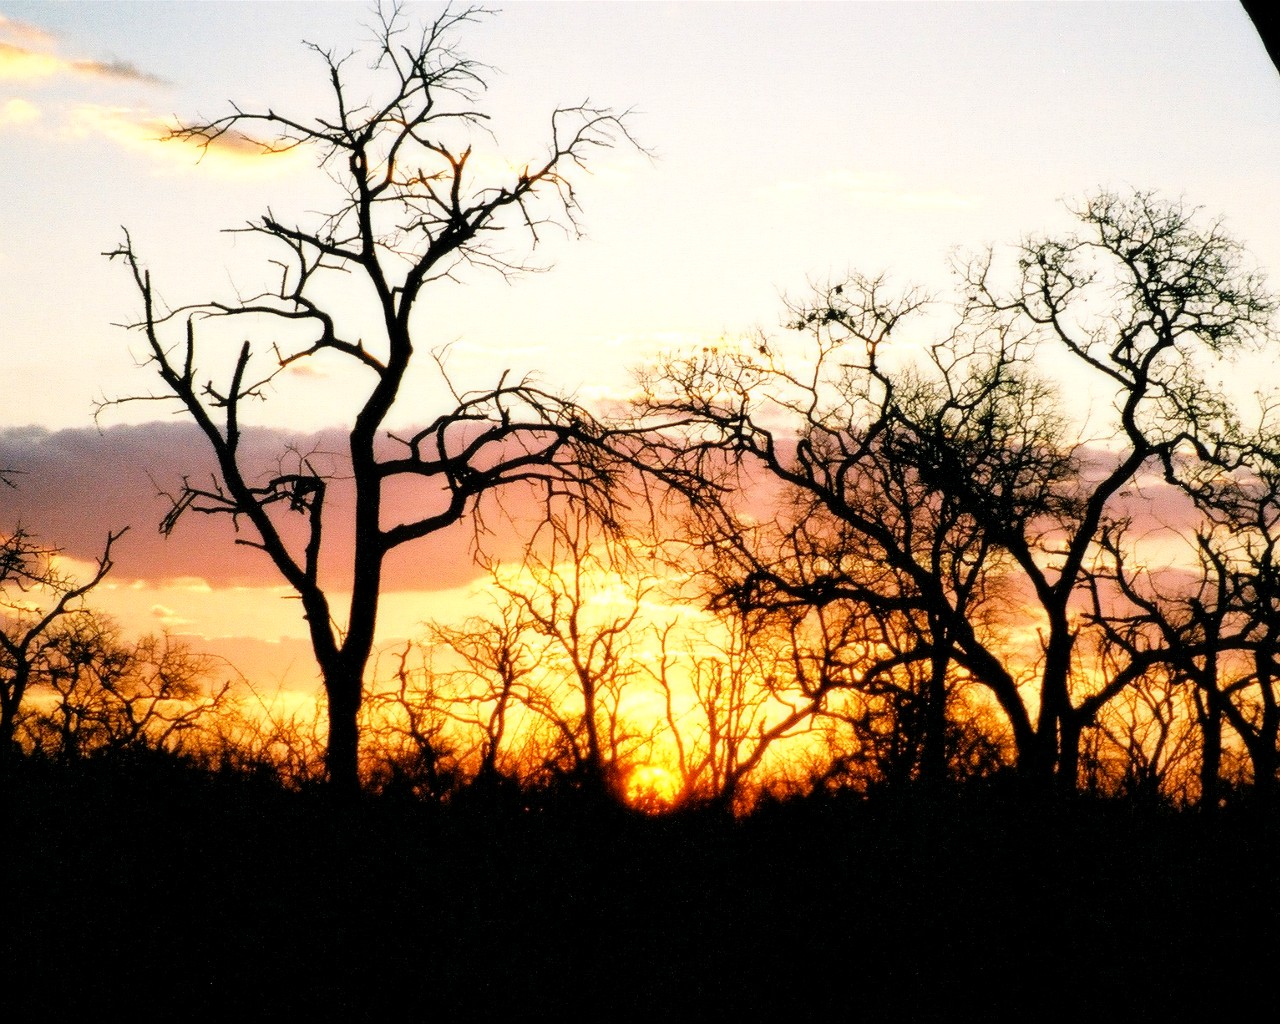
pixel 652 789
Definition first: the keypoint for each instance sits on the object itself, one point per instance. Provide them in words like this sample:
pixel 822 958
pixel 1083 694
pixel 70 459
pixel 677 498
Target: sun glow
pixel 652 789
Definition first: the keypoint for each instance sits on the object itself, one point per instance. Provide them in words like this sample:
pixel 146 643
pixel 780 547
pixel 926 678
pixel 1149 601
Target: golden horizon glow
pixel 651 788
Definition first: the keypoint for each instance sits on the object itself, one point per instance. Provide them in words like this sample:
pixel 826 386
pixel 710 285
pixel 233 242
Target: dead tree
pixel 411 212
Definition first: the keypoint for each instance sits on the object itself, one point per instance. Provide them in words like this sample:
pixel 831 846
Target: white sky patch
pixel 607 396
pixel 667 341
pixel 869 188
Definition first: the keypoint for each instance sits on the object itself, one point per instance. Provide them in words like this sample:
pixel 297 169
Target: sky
pixel 787 144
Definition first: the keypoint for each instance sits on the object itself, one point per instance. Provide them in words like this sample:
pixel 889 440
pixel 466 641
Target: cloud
pixel 167 617
pixel 18 62
pixel 17 112
pixel 178 584
pixel 132 128
pixel 24 30
pixel 126 126
pixel 142 131
pixel 120 70
pixel 307 370
pixel 78 484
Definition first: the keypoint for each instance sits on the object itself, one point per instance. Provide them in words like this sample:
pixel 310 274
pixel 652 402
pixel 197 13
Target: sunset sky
pixel 790 143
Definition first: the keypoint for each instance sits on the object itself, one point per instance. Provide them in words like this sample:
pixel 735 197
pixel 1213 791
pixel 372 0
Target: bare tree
pixel 749 687
pixel 39 601
pixel 485 693
pixel 1216 626
pixel 864 521
pixel 409 747
pixel 1143 298
pixel 550 685
pixel 947 489
pixel 262 736
pixel 411 212
pixel 578 610
pixel 112 696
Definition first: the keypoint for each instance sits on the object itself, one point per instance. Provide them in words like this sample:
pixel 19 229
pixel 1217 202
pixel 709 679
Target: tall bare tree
pixel 412 211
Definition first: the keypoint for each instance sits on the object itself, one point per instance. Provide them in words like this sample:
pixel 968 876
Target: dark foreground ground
pixel 176 896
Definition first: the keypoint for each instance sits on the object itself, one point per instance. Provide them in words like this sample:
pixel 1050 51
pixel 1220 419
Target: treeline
pixel 1028 533
pixel 1022 537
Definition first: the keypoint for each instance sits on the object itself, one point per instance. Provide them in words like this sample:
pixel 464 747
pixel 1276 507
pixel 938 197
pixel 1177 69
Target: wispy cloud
pixel 122 70
pixel 28 57
pixel 77 484
pixel 167 617
pixel 142 131
pixel 23 64
pixel 12 29
pixel 127 126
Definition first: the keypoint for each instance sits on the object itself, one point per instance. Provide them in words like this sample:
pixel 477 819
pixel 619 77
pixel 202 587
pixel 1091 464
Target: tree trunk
pixel 8 725
pixel 1209 716
pixel 933 755
pixel 10 701
pixel 1068 774
pixel 1037 763
pixel 1264 757
pixel 1057 734
pixel 342 760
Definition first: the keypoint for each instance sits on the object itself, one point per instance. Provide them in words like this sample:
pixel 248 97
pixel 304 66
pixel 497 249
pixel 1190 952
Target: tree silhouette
pixel 111 696
pixel 40 602
pixel 1143 298
pixel 945 490
pixel 1216 629
pixel 551 666
pixel 752 699
pixel 494 679
pixel 408 746
pixel 412 212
